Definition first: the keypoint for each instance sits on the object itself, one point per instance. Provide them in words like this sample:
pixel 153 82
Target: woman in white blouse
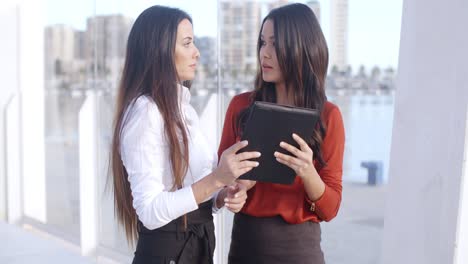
pixel 166 182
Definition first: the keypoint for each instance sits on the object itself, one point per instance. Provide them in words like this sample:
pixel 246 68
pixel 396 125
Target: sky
pixel 373 36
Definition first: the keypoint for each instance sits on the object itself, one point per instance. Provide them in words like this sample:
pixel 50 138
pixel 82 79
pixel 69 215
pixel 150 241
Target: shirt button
pixel 312 207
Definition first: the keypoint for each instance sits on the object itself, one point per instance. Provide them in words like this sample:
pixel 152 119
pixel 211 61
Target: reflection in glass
pixel 111 28
pixel 90 54
pixel 65 75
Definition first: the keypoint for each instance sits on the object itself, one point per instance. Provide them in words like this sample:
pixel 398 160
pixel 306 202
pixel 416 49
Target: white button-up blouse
pixel 145 155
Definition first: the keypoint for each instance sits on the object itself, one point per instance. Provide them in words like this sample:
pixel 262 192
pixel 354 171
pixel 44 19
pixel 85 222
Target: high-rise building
pixel 106 40
pixel 240 24
pixel 59 44
pixel 207 48
pixel 80 69
pixel 315 6
pixel 276 3
pixel 207 70
pixel 80 45
pixel 339 34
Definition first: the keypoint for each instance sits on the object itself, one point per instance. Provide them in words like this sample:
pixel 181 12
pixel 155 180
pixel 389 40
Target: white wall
pixel 461 247
pixel 13 161
pixel 31 62
pixel 9 84
pixel 21 51
pixel 427 155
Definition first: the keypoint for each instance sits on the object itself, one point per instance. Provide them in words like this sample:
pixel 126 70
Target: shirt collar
pixel 184 94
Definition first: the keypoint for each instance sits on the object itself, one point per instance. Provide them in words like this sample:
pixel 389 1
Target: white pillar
pixel 88 174
pixel 13 161
pixel 428 144
pixel 31 68
pixel 461 245
pixel 9 71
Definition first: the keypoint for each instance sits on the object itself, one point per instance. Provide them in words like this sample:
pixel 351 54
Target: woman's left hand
pixel 236 195
pixel 302 161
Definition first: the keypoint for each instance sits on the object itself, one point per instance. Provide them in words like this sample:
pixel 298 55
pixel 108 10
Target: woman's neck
pixel 282 96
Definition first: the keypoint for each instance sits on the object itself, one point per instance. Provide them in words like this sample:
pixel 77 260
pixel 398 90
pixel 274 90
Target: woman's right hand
pixel 232 165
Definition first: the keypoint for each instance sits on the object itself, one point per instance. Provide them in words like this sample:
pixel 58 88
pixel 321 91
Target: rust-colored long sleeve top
pixel 291 202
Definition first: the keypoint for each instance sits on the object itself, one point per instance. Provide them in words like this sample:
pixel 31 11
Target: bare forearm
pixel 206 187
pixel 314 186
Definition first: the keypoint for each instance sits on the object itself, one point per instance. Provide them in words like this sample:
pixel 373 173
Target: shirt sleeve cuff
pixel 190 203
pixel 314 205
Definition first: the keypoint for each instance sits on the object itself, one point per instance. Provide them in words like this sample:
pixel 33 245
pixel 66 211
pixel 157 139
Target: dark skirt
pixel 175 244
pixel 271 240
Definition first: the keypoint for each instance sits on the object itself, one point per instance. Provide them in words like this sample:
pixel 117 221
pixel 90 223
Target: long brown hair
pixel 302 54
pixel 149 70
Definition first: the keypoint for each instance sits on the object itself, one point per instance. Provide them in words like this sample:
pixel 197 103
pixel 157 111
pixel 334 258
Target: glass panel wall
pixel 113 22
pixel 66 75
pixel 85 49
pixel 361 82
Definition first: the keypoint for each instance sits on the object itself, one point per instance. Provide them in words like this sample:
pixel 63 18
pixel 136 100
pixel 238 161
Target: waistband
pixel 199 227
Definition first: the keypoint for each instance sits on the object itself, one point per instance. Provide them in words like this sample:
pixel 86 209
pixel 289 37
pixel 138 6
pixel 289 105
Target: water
pixel 368 121
pixel 368 126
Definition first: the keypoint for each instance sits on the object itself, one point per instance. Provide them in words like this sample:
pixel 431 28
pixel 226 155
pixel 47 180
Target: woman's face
pixel 271 71
pixel 186 54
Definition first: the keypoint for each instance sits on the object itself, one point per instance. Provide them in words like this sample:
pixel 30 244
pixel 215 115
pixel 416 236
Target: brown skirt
pixel 271 240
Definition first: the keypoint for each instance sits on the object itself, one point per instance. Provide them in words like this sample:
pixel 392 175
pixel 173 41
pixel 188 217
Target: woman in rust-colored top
pixel 280 223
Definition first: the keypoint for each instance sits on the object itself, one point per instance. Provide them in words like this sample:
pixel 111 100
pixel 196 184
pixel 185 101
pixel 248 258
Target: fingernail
pixel 256 164
pixel 281 144
pixel 236 195
pixel 259 154
pixel 226 200
pixel 227 205
pixel 276 153
pixel 294 135
pixel 245 142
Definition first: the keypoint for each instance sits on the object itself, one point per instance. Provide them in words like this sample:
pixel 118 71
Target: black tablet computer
pixel 267 125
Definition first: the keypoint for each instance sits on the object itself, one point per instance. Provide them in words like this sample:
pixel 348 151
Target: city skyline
pixel 369 44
